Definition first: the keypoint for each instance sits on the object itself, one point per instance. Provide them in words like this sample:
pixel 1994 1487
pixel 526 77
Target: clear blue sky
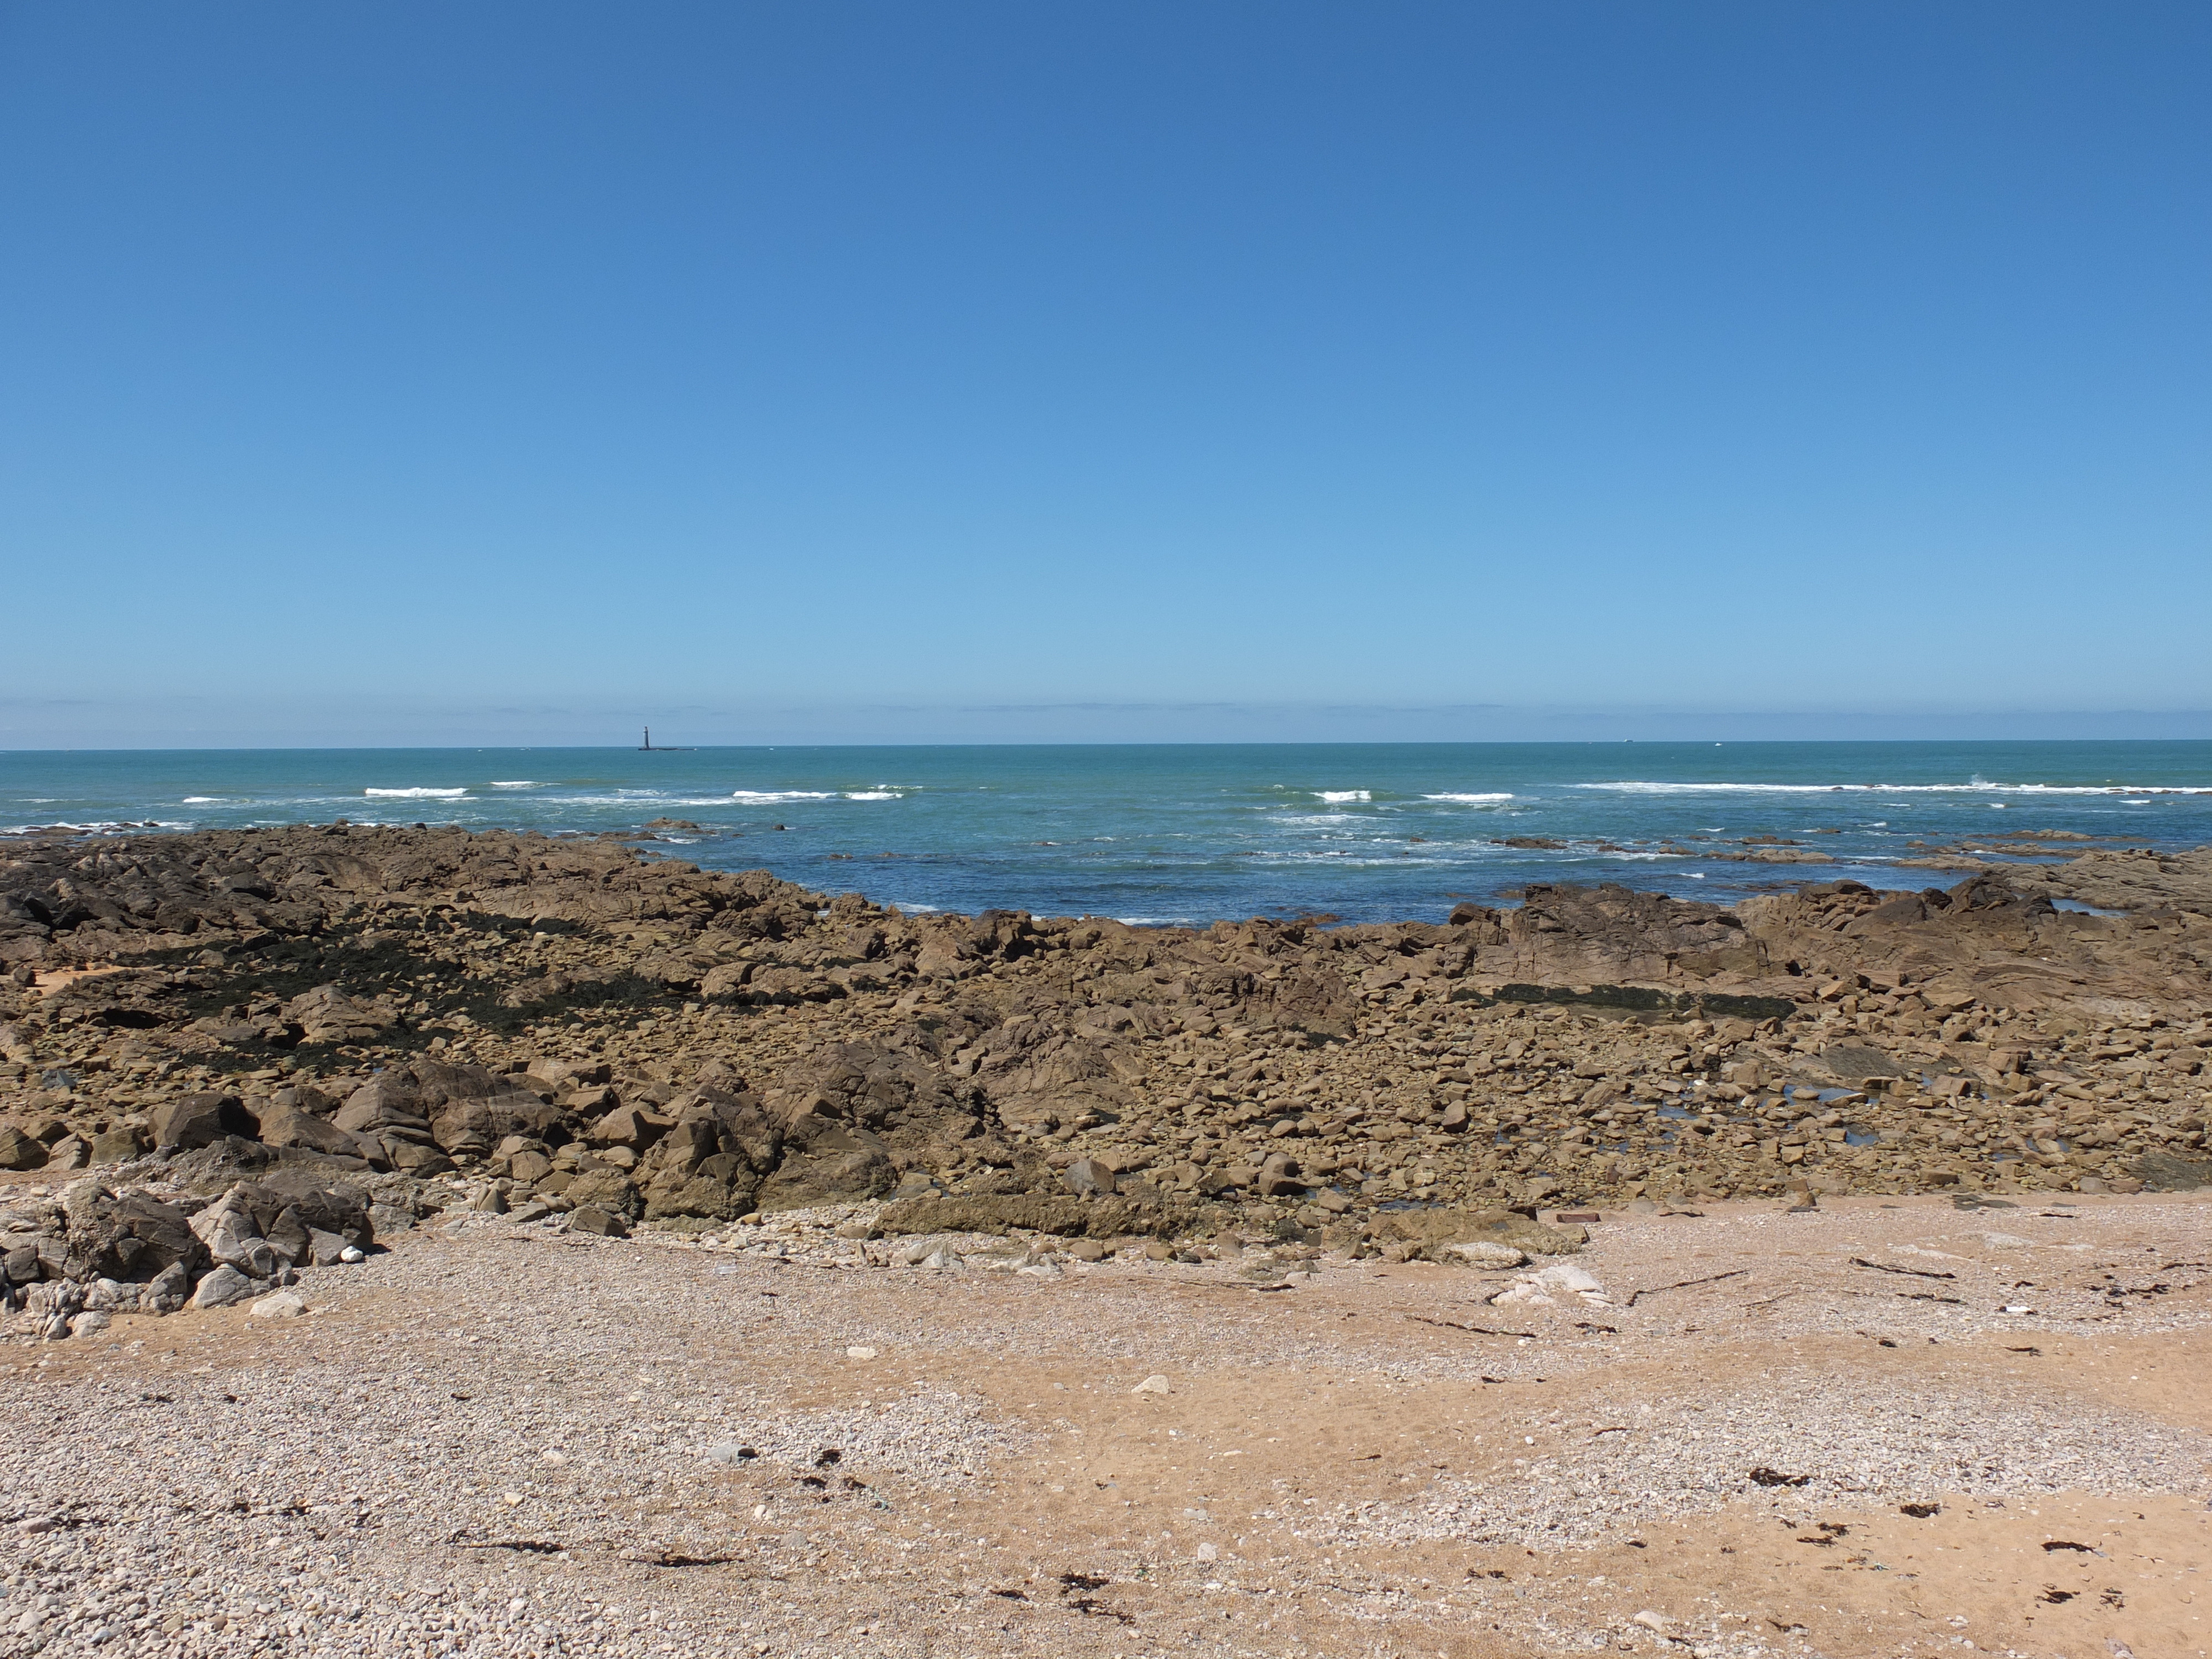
pixel 442 372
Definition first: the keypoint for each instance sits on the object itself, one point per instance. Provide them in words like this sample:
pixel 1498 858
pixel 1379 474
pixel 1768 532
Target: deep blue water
pixel 1193 833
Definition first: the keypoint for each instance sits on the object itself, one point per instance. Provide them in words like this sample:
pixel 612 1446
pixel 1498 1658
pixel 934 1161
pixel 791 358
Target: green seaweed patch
pixel 1636 999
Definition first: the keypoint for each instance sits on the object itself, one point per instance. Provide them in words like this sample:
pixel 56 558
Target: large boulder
pixel 899 1098
pixel 119 1145
pixel 1315 1002
pixel 281 1213
pixel 852 1115
pixel 418 1113
pixel 825 1162
pixel 389 1116
pixel 1037 1072
pixel 470 1126
pixel 331 1206
pixel 19 1150
pixel 629 1126
pixel 200 1120
pixel 600 1187
pixel 710 1163
pixel 220 1165
pixel 130 1238
pixel 326 1014
pixel 288 1125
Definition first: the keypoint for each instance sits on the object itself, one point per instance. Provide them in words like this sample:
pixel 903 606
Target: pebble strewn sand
pixel 493 1439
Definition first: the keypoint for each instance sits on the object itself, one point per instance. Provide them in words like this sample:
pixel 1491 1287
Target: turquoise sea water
pixel 1195 833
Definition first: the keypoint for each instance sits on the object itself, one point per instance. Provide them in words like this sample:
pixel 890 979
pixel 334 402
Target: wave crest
pixel 1642 787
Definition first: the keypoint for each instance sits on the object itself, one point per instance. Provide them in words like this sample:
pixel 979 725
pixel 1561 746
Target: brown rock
pixel 1089 1175
pixel 200 1120
pixel 630 1126
pixel 117 1146
pixel 19 1151
pixel 288 1125
pixel 606 1189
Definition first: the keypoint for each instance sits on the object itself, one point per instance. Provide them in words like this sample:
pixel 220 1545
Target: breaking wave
pixel 1639 787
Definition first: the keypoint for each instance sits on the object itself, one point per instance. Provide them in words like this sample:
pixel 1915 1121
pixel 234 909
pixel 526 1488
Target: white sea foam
pixel 1640 786
pixel 512 783
pixel 873 795
pixel 416 794
pixel 1335 795
pixel 202 800
pixel 774 797
pixel 1467 800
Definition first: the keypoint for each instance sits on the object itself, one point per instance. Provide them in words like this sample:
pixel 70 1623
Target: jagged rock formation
pixel 571 1026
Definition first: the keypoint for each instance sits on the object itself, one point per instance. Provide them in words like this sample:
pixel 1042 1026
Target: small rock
pixel 351 1254
pixel 590 1219
pixel 728 1452
pixel 1650 1620
pixel 283 1304
pixel 91 1322
pixel 860 1353
pixel 1209 1551
pixel 1153 1384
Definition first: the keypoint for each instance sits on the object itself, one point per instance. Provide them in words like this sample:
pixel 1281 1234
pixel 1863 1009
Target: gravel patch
pixel 1799 1439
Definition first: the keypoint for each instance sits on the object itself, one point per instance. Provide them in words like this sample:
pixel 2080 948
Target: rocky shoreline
pixel 288 1041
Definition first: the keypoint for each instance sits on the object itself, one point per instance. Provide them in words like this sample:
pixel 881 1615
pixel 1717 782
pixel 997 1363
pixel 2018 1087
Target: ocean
pixel 1192 834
